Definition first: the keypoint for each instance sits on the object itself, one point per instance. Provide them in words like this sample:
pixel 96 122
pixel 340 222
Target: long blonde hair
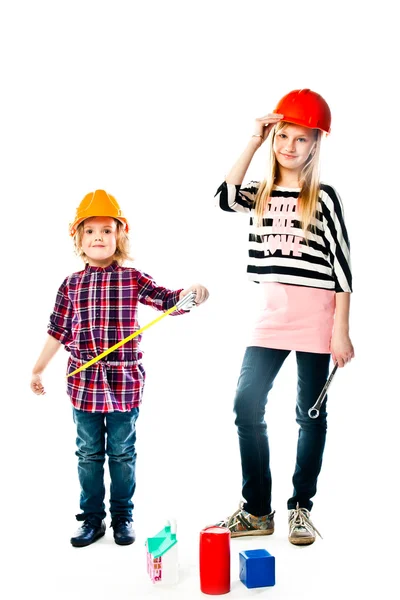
pixel 309 182
pixel 121 250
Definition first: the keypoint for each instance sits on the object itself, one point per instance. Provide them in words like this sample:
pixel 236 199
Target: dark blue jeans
pixel 99 434
pixel 259 369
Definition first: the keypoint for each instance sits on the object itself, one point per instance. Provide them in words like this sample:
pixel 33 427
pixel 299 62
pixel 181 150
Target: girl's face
pixel 292 146
pixel 99 240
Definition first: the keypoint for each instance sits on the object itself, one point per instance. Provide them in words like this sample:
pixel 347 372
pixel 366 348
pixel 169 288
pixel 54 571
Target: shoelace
pixel 90 523
pixel 238 519
pixel 232 521
pixel 300 518
pixel 119 520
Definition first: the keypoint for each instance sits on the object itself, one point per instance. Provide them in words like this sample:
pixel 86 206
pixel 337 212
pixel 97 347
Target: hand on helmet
pixel 263 125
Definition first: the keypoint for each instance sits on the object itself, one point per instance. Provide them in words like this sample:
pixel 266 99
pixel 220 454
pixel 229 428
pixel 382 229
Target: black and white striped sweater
pixel 277 249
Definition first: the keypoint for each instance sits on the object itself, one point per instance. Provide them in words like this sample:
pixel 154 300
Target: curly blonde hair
pixel 121 250
pixel 309 182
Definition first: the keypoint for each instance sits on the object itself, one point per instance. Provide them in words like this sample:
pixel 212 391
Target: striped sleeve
pixel 61 317
pixel 237 198
pixel 337 239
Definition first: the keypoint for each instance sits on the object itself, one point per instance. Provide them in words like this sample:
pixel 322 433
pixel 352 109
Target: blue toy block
pixel 257 568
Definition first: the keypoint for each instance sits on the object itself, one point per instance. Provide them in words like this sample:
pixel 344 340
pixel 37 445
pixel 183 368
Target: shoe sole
pixel 82 545
pixel 301 542
pixel 252 533
pixel 123 543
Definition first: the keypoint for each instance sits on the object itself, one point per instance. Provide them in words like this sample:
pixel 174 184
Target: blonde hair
pixel 309 182
pixel 121 250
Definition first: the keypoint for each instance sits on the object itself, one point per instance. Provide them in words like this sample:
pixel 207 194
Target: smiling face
pixel 99 240
pixel 292 147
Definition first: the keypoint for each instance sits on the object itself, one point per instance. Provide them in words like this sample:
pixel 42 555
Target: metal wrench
pixel 313 413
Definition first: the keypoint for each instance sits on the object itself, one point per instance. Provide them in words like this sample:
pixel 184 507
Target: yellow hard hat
pixel 97 204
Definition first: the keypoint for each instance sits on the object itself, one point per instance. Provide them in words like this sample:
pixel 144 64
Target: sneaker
pixel 301 529
pixel 242 523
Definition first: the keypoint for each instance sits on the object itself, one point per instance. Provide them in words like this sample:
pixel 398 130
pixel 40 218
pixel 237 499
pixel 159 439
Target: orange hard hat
pixel 305 107
pixel 97 204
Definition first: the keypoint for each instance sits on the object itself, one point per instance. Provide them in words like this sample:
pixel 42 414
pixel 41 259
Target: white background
pixel 153 101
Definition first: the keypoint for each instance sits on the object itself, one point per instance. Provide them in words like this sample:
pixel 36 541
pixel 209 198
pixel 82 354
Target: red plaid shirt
pixel 94 309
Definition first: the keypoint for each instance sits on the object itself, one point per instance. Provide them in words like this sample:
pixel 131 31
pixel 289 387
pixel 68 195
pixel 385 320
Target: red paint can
pixel 215 560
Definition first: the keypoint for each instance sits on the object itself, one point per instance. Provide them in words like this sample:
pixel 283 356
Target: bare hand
pixel 341 348
pixel 263 125
pixel 36 385
pixel 200 291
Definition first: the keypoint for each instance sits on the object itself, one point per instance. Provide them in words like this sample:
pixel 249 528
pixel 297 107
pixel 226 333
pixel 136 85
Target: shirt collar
pixel 112 267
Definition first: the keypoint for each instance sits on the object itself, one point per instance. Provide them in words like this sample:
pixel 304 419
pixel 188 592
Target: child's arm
pixel 163 299
pixel 59 331
pixel 341 347
pixel 50 348
pixel 337 239
pixel 262 129
pixel 239 169
pixel 234 198
pixel 231 196
pixel 339 250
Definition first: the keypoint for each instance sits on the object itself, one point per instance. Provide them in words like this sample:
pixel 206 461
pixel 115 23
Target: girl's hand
pixel 201 293
pixel 341 348
pixel 36 385
pixel 263 125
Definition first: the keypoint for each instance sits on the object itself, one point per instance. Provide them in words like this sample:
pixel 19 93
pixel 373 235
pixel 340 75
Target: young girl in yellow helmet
pixel 299 254
pixel 95 308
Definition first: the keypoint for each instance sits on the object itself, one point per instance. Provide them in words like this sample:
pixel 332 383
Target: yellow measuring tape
pixel 179 305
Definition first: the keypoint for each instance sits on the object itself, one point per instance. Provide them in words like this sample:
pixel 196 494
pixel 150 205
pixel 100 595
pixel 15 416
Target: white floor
pixel 344 565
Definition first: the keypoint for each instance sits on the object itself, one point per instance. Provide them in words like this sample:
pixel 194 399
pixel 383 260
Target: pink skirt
pixel 293 317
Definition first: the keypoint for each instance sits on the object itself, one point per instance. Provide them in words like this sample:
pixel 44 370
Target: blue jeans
pixel 259 369
pixel 99 434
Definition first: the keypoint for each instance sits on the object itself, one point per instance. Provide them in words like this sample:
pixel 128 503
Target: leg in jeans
pixel 121 438
pixel 312 369
pixel 91 455
pixel 259 369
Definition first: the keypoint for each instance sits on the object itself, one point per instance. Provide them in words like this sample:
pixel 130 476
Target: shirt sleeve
pixel 61 317
pixel 157 296
pixel 237 198
pixel 337 239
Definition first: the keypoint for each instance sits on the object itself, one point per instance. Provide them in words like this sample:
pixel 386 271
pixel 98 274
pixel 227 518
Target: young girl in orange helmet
pixel 299 253
pixel 95 308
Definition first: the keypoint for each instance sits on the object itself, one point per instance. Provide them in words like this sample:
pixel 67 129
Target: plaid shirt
pixel 94 309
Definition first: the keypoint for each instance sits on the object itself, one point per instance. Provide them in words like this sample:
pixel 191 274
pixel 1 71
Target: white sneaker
pixel 301 529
